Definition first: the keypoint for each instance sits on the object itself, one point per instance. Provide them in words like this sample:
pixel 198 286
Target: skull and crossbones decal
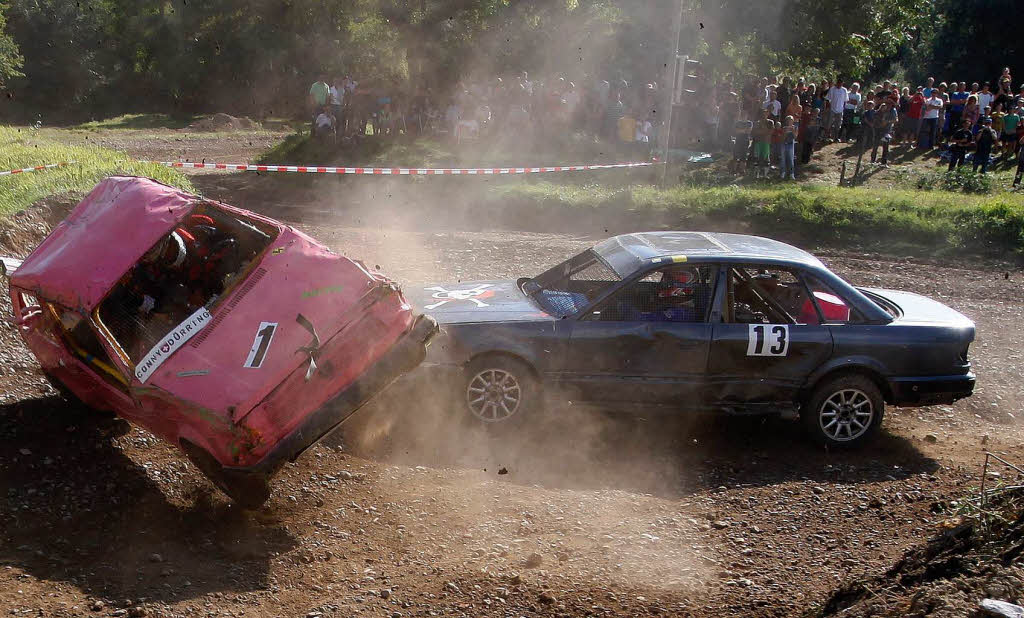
pixel 444 296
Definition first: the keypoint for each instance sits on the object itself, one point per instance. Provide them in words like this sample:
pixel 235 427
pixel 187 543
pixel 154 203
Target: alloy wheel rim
pixel 846 415
pixel 493 395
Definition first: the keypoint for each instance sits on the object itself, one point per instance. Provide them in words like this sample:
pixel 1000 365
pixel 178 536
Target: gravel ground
pixel 409 513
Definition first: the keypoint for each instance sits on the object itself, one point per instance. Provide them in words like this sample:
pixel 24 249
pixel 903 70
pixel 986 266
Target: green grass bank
pixel 21 147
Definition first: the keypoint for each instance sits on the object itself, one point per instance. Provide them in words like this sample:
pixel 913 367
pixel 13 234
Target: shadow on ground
pixel 666 453
pixel 74 508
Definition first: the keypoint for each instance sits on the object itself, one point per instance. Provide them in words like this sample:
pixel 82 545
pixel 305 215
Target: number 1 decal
pixel 768 340
pixel 260 345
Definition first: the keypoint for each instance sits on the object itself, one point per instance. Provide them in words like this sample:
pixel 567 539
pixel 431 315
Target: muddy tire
pixel 844 412
pixel 499 391
pixel 248 491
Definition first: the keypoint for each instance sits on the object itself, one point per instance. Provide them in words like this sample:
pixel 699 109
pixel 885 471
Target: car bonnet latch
pixel 313 349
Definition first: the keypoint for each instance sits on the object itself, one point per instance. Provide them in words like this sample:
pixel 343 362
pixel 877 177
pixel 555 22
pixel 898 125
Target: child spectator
pixel 810 136
pixel 788 163
pixel 869 136
pixel 762 135
pixel 972 112
pixel 773 106
pixel 741 133
pixel 851 113
pixel 1009 136
pixel 985 141
pixel 958 144
pixel 776 141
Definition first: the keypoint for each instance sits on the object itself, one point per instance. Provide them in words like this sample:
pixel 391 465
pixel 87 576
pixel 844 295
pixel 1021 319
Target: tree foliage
pixel 10 60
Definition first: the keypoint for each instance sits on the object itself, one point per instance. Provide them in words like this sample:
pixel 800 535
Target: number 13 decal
pixel 768 340
pixel 258 352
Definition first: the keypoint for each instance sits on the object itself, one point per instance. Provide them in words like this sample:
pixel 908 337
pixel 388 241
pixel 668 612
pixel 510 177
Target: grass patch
pixel 902 220
pixel 22 147
pixel 140 121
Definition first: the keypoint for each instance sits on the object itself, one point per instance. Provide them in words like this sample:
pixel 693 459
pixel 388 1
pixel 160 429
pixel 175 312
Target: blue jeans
pixel 788 165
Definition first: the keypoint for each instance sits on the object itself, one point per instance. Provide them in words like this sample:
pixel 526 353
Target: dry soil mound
pixel 223 122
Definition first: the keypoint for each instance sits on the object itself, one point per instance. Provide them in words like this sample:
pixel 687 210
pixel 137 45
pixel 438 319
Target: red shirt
pixel 916 106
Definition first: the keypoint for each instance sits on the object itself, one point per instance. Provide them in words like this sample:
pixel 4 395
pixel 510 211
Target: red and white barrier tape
pixel 395 171
pixel 37 168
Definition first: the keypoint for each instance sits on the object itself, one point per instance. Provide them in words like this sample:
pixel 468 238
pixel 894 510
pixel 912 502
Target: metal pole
pixel 667 137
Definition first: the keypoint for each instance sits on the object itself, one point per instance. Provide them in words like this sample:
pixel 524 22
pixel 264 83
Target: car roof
pixel 102 238
pixel 631 252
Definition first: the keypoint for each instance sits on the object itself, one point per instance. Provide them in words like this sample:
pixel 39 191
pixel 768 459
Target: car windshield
pixel 189 268
pixel 571 286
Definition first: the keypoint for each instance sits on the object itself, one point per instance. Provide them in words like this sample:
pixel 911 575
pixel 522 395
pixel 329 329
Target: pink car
pixel 236 337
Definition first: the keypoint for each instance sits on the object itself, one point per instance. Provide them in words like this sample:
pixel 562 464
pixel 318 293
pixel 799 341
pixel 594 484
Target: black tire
pixel 248 491
pixel 519 397
pixel 844 412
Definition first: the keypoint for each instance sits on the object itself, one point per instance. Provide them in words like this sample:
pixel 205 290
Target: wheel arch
pixel 503 354
pixel 872 373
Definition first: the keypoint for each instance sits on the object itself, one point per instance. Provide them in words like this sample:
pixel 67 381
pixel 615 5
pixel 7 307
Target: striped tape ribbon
pixel 396 171
pixel 37 168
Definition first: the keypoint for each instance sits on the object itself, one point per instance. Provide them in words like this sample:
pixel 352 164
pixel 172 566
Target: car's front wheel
pixel 248 491
pixel 500 390
pixel 844 411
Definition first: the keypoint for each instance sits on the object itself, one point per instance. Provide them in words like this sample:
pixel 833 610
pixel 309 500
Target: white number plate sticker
pixel 768 340
pixel 260 345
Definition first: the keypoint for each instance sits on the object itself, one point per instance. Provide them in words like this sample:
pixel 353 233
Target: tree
pixel 10 59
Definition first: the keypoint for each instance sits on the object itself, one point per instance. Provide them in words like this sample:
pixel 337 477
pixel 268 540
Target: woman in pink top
pixel 972 111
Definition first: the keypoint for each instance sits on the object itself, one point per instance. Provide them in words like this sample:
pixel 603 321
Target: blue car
pixel 697 321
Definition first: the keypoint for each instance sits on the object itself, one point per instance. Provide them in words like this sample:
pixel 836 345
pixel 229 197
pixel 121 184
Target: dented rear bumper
pixel 404 356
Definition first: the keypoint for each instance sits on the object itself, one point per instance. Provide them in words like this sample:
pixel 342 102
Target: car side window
pixel 677 293
pixel 833 308
pixel 769 295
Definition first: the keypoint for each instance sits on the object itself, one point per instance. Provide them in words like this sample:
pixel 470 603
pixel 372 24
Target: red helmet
pixel 677 283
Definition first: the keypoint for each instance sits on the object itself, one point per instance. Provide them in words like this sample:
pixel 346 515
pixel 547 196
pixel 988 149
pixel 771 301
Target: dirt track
pixel 626 515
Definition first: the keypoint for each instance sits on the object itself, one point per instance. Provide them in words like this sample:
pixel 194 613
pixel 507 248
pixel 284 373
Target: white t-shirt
pixel 773 107
pixel 852 101
pixel 837 97
pixel 930 112
pixel 323 121
pixel 335 95
pixel 985 99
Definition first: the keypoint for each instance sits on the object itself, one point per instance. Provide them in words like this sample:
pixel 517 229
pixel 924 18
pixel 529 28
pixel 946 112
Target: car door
pixel 647 342
pixel 770 338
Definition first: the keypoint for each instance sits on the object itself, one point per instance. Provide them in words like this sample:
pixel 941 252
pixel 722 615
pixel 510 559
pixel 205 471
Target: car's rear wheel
pixel 248 491
pixel 500 390
pixel 844 411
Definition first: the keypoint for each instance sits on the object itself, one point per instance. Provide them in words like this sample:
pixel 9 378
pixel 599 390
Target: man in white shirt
pixel 932 114
pixel 837 97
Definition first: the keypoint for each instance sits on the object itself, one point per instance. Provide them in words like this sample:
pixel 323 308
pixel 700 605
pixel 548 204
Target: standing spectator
pixel 1004 95
pixel 788 164
pixel 773 106
pixel 336 96
pixel 903 107
pixel 957 103
pixel 929 86
pixel 794 108
pixel 932 119
pixel 985 141
pixel 783 92
pixel 741 133
pixel 776 141
pixel 851 113
pixel 838 95
pixel 972 113
pixel 810 136
pixel 915 114
pixel 884 122
pixel 762 145
pixel 986 96
pixel 868 135
pixel 1009 137
pixel 319 95
pixel 959 142
pixel 807 96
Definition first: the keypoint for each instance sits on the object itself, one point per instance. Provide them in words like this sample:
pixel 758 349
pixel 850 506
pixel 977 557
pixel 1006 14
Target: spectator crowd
pixel 770 126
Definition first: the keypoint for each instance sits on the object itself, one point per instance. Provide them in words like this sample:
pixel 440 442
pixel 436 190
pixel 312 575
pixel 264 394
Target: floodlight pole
pixel 673 67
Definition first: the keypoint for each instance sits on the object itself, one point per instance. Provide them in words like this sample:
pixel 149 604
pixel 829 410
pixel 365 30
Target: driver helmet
pixel 676 283
pixel 170 251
